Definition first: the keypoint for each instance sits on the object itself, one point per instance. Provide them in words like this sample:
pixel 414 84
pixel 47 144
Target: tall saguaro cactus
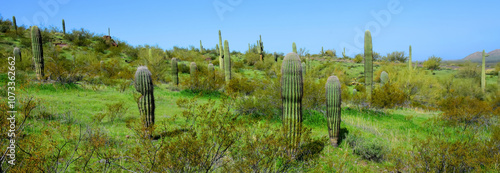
pixel 17 54
pixel 294 47
pixel 291 96
pixel 144 85
pixel 409 61
pixel 175 71
pixel 368 64
pixel 64 26
pixel 260 48
pixel 201 47
pixel 36 44
pixel 14 23
pixel 343 53
pixel 322 52
pixel 109 32
pixel 333 109
pixel 227 62
pixel 221 52
pixel 483 71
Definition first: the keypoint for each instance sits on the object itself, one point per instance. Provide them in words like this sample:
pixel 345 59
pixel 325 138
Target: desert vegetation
pixel 92 103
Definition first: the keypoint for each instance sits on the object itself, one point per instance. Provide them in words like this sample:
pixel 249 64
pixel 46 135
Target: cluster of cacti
pixel 409 61
pixel 201 47
pixel 36 43
pixel 17 54
pixel 221 53
pixel 368 64
pixel 192 69
pixel 64 26
pixel 227 62
pixel 384 77
pixel 14 23
pixel 144 85
pixel 333 110
pixel 260 48
pixel 483 72
pixel 291 96
pixel 294 47
pixel 175 71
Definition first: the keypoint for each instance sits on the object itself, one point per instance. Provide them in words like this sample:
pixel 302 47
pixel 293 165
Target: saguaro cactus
pixel 175 71
pixel 368 64
pixel 201 47
pixel 384 77
pixel 221 52
pixel 322 52
pixel 64 26
pixel 291 96
pixel 227 62
pixel 36 44
pixel 294 47
pixel 14 23
pixel 17 54
pixel 109 32
pixel 260 48
pixel 343 53
pixel 483 72
pixel 409 61
pixel 144 85
pixel 333 110
pixel 192 69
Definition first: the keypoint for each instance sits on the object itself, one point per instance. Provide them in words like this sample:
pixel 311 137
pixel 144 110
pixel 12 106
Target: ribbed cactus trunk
pixel 36 44
pixel 291 96
pixel 294 47
pixel 483 72
pixel 333 109
pixel 227 62
pixel 368 65
pixel 64 26
pixel 409 61
pixel 201 47
pixel 221 52
pixel 384 77
pixel 17 54
pixel 175 71
pixel 144 85
pixel 14 23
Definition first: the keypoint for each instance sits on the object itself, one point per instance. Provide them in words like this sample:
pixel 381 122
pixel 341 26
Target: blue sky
pixel 448 29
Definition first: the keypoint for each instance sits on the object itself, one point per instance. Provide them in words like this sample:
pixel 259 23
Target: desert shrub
pixel 368 149
pixel 265 101
pixel 395 57
pixel 203 82
pixel 388 96
pixel 358 58
pixel 112 111
pixel 465 110
pixel 251 58
pixel 469 70
pixel 432 63
pixel 241 85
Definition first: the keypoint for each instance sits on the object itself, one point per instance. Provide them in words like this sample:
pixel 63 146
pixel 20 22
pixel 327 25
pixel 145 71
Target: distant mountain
pixel 478 57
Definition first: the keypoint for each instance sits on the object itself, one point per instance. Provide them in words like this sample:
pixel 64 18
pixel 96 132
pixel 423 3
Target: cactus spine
pixel 294 47
pixel 291 96
pixel 384 77
pixel 227 62
pixel 201 47
pixel 368 64
pixel 64 26
pixel 221 52
pixel 175 71
pixel 36 43
pixel 260 48
pixel 333 110
pixel 483 72
pixel 14 23
pixel 146 104
pixel 409 61
pixel 17 54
